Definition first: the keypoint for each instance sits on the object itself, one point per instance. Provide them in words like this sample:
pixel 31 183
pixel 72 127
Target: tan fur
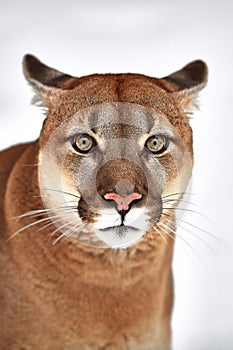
pixel 70 296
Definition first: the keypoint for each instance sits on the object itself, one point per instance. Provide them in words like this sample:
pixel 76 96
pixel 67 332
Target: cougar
pixel 88 211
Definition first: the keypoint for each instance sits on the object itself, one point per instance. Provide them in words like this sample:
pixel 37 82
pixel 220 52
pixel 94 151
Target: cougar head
pixel 113 147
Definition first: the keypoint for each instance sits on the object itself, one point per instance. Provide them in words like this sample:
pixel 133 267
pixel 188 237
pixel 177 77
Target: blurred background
pixel 155 38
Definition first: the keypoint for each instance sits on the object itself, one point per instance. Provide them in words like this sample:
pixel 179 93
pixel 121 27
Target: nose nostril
pixel 123 202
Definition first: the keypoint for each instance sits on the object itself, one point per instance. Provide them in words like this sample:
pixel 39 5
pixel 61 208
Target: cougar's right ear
pixel 187 83
pixel 45 81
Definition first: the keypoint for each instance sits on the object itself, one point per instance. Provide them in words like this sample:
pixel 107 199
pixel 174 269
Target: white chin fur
pixel 109 231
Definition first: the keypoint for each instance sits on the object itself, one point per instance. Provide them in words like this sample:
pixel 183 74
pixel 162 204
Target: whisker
pixel 195 235
pixel 204 231
pixel 180 200
pixel 30 225
pixel 66 233
pixel 183 193
pixel 31 213
pixel 63 192
pixel 35 213
pixel 61 218
pixel 189 210
pixel 200 229
pixel 160 233
pixel 49 224
pixel 178 193
pixel 187 243
pixel 42 196
pixel 71 201
pixel 59 229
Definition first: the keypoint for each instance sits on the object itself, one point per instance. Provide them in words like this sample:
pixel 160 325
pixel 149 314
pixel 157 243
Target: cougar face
pixel 112 149
pixel 120 160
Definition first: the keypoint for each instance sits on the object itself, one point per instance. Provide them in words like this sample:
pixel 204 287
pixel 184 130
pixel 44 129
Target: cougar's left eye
pixel 83 143
pixel 157 144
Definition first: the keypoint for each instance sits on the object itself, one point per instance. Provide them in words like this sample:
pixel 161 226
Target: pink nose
pixel 122 202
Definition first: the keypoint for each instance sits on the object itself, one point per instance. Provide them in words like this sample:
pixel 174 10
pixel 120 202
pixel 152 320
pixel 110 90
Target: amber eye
pixel 83 143
pixel 157 144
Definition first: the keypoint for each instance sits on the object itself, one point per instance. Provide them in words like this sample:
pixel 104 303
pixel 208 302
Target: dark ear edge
pixel 40 76
pixel 193 75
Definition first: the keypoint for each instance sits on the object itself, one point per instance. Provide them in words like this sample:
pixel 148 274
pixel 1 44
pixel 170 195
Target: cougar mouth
pixel 120 230
pixel 118 234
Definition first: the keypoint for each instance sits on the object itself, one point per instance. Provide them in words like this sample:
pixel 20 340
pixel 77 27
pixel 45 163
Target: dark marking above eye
pixel 94 130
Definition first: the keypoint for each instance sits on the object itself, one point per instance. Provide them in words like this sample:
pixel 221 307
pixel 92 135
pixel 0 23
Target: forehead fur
pixel 100 88
pixel 131 88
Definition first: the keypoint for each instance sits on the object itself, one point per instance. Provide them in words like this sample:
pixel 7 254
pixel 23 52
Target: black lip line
pixel 116 227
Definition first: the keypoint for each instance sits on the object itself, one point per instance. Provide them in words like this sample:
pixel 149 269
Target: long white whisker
pixel 59 229
pixel 32 212
pixel 195 235
pixel 184 240
pixel 66 233
pixel 35 213
pixel 30 225
pixel 63 192
pixel 189 210
pixel 61 218
pixel 204 231
pixel 178 193
pixel 180 200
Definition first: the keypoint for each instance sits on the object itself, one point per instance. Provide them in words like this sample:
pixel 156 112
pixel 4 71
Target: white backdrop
pixel 153 38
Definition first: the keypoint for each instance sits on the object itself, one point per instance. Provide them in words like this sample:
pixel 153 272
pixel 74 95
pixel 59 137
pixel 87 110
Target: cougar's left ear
pixel 187 83
pixel 45 81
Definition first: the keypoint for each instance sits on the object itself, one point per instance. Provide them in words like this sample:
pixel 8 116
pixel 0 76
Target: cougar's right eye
pixel 83 143
pixel 157 144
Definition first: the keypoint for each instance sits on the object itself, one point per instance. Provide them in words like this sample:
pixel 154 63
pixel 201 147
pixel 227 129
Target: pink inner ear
pixel 122 202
